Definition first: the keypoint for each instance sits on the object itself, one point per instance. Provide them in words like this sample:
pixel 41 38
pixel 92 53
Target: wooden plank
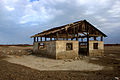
pixel 95 38
pixel 50 38
pixel 45 39
pixel 87 39
pixel 77 37
pixel 101 38
pixel 57 36
pixel 34 39
pixel 67 36
pixel 41 39
pixel 37 39
pixel 81 39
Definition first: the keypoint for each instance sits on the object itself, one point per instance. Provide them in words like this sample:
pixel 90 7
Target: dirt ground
pixel 11 71
pixel 42 63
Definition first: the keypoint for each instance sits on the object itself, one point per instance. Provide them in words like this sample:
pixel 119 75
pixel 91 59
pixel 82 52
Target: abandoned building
pixel 70 41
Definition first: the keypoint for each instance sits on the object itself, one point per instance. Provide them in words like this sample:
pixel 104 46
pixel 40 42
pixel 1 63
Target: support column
pixel 77 37
pixel 67 37
pixel 101 38
pixel 34 39
pixel 37 39
pixel 41 39
pixel 95 38
pixel 71 38
pixel 74 33
pixel 50 38
pixel 87 38
pixel 77 34
pixel 81 39
pixel 57 36
pixel 63 38
pixel 87 44
pixel 54 39
pixel 45 39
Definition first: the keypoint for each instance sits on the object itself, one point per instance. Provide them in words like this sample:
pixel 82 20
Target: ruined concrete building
pixel 69 41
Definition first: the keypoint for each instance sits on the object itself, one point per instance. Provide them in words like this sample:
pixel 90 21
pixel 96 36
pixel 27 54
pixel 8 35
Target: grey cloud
pixel 41 15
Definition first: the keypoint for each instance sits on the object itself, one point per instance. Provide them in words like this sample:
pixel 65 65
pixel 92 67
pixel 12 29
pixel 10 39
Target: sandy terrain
pixel 42 63
pixel 12 71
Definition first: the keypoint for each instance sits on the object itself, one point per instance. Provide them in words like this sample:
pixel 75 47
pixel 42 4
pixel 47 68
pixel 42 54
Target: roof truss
pixel 70 30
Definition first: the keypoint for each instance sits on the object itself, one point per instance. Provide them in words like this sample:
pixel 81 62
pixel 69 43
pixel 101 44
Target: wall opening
pixel 83 48
pixel 69 46
pixel 41 45
pixel 95 45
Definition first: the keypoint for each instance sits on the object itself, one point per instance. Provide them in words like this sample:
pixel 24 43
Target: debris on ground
pixel 19 51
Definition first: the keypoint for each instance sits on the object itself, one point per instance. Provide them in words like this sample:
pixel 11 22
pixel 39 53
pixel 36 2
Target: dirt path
pixel 42 63
pixel 10 71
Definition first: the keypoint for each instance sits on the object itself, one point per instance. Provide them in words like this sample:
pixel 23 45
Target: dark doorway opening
pixel 83 48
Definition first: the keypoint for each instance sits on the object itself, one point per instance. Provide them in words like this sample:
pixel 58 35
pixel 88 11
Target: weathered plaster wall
pixel 49 49
pixel 35 47
pixel 96 52
pixel 57 49
pixel 62 53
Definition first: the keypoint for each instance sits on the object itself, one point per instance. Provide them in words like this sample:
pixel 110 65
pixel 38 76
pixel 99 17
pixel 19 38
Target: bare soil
pixel 11 71
pixel 43 63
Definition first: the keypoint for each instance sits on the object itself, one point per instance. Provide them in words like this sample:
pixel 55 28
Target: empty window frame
pixel 69 46
pixel 41 45
pixel 95 45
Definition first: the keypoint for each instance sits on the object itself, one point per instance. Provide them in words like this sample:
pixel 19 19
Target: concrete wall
pixel 35 47
pixel 62 53
pixel 96 52
pixel 49 49
pixel 57 49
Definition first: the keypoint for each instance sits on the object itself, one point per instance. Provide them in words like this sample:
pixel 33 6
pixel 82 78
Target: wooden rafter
pixel 72 29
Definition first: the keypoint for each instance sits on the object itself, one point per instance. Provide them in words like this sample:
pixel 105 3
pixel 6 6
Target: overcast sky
pixel 19 19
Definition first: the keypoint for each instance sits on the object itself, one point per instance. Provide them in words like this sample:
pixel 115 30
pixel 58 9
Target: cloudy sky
pixel 19 19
